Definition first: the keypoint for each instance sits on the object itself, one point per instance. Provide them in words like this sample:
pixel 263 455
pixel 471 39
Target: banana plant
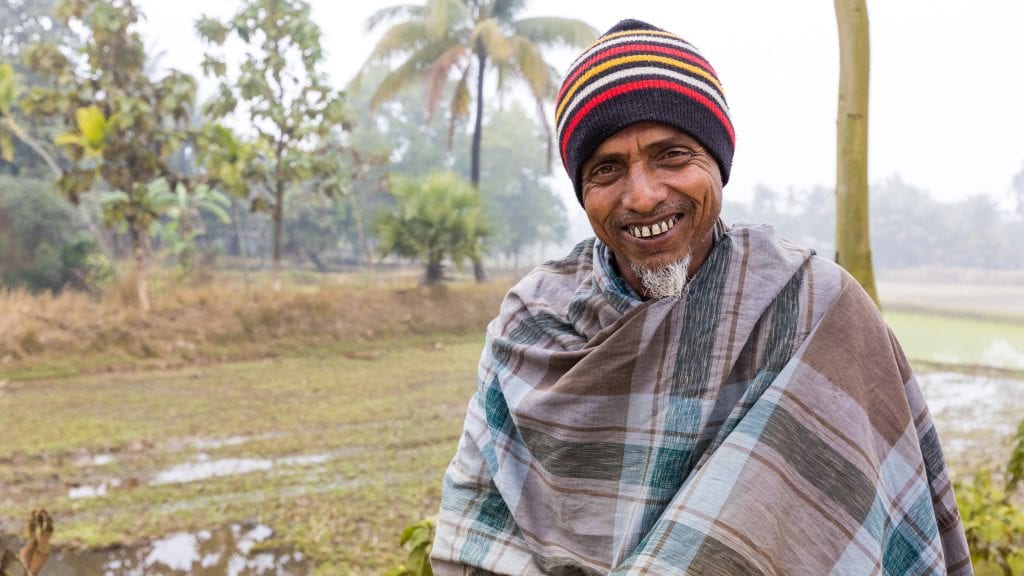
pixel 184 212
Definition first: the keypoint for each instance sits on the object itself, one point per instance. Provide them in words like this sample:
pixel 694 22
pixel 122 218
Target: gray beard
pixel 669 281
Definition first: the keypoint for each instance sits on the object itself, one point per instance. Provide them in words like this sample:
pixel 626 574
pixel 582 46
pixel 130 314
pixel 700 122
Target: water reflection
pixel 201 469
pixel 226 551
pixel 205 468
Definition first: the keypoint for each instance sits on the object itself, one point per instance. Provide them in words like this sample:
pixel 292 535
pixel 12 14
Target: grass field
pixel 341 448
pixel 961 340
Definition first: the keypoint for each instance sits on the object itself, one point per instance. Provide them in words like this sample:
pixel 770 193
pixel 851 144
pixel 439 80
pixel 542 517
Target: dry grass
pixel 224 319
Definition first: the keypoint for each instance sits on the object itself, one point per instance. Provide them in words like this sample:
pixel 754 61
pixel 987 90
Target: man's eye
pixel 675 153
pixel 603 170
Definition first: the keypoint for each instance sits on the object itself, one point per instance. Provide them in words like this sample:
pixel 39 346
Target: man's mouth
pixel 651 230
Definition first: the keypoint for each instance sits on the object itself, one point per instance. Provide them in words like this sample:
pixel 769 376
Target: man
pixel 677 396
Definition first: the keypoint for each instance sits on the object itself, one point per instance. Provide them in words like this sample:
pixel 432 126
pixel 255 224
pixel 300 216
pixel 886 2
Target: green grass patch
pixel 959 340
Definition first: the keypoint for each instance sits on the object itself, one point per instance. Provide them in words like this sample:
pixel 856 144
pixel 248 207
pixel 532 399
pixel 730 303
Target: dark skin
pixel 652 194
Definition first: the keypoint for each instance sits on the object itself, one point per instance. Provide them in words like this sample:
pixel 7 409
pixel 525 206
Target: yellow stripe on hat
pixel 628 60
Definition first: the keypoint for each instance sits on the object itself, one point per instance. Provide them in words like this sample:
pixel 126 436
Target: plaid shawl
pixel 766 423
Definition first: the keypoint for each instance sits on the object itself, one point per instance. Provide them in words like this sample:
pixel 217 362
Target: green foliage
pixel 127 124
pixel 289 102
pixel 418 538
pixel 22 24
pixel 314 226
pixel 184 217
pixel 7 92
pixel 436 216
pixel 993 520
pixel 41 245
pixel 10 130
pixel 1015 465
pixel 93 129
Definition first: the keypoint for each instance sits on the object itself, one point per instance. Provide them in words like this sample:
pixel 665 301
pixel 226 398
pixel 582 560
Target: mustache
pixel 631 218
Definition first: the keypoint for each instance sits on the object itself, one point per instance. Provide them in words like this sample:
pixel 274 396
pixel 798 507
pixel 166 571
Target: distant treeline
pixel 45 244
pixel 909 228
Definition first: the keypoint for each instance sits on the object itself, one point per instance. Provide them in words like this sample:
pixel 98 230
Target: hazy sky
pixel 947 94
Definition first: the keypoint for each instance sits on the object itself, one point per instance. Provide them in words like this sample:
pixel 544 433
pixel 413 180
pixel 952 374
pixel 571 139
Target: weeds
pixel 35 552
pixel 219 321
pixel 993 520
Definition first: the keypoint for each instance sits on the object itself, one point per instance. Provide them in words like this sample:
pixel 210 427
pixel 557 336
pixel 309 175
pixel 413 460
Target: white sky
pixel 947 91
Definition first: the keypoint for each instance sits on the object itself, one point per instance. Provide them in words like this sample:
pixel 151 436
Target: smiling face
pixel 652 194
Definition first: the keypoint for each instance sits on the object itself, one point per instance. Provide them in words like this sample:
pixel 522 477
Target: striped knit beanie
pixel 636 73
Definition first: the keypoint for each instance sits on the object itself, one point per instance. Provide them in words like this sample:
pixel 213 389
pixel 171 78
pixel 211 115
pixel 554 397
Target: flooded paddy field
pixel 278 466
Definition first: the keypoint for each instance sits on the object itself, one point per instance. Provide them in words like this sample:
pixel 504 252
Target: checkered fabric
pixel 767 423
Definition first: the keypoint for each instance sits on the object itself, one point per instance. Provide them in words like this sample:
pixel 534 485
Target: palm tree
pixel 444 40
pixel 436 217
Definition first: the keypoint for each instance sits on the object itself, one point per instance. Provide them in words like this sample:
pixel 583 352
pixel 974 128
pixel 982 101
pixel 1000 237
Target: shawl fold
pixel 765 423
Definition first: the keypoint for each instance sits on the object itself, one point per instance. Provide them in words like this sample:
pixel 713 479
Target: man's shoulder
pixel 551 288
pixel 561 274
pixel 579 259
pixel 770 258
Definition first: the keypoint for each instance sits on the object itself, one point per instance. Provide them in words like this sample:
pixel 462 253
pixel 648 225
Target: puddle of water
pixel 975 415
pixel 205 468
pixel 94 460
pixel 967 398
pixel 78 492
pixel 227 551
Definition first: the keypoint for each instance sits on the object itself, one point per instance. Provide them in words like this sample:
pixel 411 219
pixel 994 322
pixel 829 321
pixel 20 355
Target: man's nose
pixel 643 191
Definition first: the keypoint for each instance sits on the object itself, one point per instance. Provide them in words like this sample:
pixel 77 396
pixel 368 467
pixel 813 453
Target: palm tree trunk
pixel 435 273
pixel 478 128
pixel 853 242
pixel 478 122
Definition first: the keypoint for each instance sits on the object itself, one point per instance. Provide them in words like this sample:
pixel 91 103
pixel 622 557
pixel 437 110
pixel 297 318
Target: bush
pixel 42 245
pixel 994 523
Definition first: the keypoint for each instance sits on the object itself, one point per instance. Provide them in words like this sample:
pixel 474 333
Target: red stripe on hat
pixel 634 47
pixel 645 85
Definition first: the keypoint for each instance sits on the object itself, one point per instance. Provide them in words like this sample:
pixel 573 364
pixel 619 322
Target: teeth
pixel 654 229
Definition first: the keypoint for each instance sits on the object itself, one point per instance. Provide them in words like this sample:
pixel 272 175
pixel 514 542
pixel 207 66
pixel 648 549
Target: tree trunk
pixel 34 145
pixel 357 217
pixel 139 258
pixel 314 257
pixel 237 217
pixel 278 226
pixel 853 242
pixel 478 128
pixel 435 274
pixel 478 122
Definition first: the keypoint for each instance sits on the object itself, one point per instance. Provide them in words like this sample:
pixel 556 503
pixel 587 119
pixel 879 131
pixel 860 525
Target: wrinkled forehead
pixel 641 136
